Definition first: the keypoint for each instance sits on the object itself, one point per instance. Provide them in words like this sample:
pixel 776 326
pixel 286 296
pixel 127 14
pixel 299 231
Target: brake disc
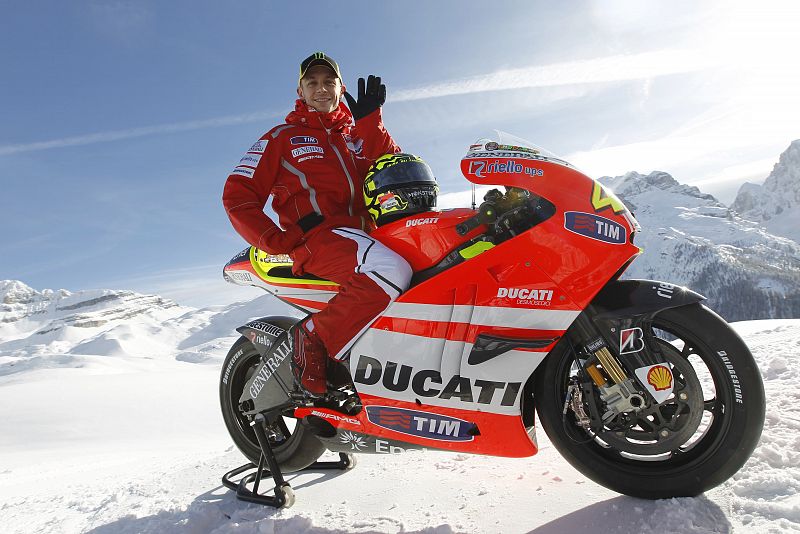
pixel 661 428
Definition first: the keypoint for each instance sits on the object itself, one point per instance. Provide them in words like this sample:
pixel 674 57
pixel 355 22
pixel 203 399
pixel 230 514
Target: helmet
pixel 399 185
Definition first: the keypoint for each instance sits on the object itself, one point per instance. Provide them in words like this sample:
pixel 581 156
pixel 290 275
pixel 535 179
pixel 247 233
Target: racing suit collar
pixel 305 115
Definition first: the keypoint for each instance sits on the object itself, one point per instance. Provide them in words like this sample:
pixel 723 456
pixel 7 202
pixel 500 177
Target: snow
pixel 117 429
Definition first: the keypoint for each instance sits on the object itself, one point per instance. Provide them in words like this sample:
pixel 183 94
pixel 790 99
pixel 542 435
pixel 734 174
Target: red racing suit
pixel 313 167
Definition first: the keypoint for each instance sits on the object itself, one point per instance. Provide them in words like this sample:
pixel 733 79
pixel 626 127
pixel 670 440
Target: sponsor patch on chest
pixel 303 140
pixel 303 150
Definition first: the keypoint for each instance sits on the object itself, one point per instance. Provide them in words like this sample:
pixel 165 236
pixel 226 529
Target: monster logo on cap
pixel 319 58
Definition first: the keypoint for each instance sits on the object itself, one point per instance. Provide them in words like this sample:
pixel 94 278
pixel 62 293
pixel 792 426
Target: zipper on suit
pixel 344 167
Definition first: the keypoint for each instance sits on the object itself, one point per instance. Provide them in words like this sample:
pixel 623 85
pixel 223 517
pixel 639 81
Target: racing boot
pixel 309 361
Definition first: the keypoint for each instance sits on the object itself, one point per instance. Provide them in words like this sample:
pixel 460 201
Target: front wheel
pixel 724 416
pixel 295 447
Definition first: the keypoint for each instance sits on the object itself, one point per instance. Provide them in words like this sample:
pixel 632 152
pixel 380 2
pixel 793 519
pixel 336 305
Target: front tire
pixel 732 407
pixel 295 447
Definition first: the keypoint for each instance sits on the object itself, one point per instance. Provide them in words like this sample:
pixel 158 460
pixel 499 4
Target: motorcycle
pixel 515 309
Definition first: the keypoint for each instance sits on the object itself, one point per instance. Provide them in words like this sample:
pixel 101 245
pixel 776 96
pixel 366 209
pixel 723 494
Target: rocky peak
pixel 776 203
pixel 633 183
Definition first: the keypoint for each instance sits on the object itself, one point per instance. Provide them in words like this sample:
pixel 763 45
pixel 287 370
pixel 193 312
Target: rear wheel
pixel 295 447
pixel 693 441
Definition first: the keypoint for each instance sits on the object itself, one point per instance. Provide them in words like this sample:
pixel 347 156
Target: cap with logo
pixel 319 58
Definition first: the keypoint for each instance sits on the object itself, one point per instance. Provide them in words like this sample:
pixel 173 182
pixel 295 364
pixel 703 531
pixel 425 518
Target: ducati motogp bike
pixel 516 308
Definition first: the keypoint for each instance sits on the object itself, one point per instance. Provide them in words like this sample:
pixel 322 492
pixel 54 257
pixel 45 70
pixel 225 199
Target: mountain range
pixel 744 258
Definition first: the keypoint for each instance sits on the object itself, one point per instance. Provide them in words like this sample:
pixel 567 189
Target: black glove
pixel 369 99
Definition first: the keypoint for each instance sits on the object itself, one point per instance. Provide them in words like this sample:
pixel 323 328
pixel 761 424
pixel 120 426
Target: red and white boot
pixel 309 360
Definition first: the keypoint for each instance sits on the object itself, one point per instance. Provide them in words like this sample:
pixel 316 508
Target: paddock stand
pixel 284 495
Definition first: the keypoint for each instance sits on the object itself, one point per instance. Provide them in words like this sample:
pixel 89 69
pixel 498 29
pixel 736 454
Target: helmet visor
pixel 409 173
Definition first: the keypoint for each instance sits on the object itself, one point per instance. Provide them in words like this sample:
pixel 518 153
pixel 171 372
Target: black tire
pixel 299 449
pixel 732 414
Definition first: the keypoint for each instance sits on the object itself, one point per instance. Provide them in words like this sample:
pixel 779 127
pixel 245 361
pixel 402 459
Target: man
pixel 313 167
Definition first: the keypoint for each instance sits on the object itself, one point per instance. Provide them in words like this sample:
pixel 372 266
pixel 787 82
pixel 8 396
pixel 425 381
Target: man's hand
pixel 282 242
pixel 371 96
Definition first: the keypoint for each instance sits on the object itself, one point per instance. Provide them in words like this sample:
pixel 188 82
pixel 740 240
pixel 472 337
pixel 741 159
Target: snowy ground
pixel 128 445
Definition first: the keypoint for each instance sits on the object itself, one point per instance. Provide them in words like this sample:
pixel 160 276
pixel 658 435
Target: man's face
pixel 321 89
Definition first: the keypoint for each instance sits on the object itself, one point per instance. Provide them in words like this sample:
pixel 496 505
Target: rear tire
pixel 295 450
pixel 732 410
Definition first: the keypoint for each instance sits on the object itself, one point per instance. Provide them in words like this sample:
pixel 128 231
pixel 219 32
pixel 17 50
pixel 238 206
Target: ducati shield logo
pixel 631 340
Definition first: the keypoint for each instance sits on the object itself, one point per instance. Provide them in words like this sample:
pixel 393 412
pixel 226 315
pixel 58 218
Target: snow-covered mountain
pixel 86 325
pixel 690 238
pixel 776 203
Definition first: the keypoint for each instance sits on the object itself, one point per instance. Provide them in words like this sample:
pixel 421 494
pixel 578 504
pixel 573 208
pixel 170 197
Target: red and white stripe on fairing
pixel 533 320
pixel 420 353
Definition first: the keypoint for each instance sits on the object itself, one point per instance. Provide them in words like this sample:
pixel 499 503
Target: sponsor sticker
pixel 389 201
pixel 250 160
pixel 303 140
pixel 270 366
pixel 242 276
pixel 313 156
pixel 355 146
pixel 356 441
pixel 422 222
pixel 664 290
pixel 595 227
pixel 426 383
pixel 491 145
pixel 526 295
pixel 660 377
pixel 336 417
pixel 481 168
pixel 420 424
pixel 259 146
pixel 383 446
pixel 244 171
pixel 303 150
pixel 631 340
pixel 657 379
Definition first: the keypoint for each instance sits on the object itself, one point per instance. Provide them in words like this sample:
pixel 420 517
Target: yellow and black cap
pixel 319 58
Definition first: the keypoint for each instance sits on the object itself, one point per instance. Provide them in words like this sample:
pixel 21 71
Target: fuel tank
pixel 426 238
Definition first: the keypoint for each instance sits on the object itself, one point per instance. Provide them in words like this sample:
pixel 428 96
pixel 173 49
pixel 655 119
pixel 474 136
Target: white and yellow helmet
pixel 399 185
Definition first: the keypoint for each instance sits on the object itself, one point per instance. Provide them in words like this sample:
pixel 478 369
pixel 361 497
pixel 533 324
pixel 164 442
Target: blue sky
pixel 121 120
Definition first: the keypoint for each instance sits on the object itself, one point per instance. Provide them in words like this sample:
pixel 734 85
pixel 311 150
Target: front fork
pixel 615 376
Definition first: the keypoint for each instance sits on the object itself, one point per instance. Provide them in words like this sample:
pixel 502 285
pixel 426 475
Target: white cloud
pixel 589 71
pixel 117 135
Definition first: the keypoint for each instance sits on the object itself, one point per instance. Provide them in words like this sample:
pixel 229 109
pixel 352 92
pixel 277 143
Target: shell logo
pixel 660 377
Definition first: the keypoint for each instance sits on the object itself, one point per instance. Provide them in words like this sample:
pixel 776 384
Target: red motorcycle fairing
pixel 415 357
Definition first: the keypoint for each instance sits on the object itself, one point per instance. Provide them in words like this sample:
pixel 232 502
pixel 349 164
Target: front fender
pixel 640 297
